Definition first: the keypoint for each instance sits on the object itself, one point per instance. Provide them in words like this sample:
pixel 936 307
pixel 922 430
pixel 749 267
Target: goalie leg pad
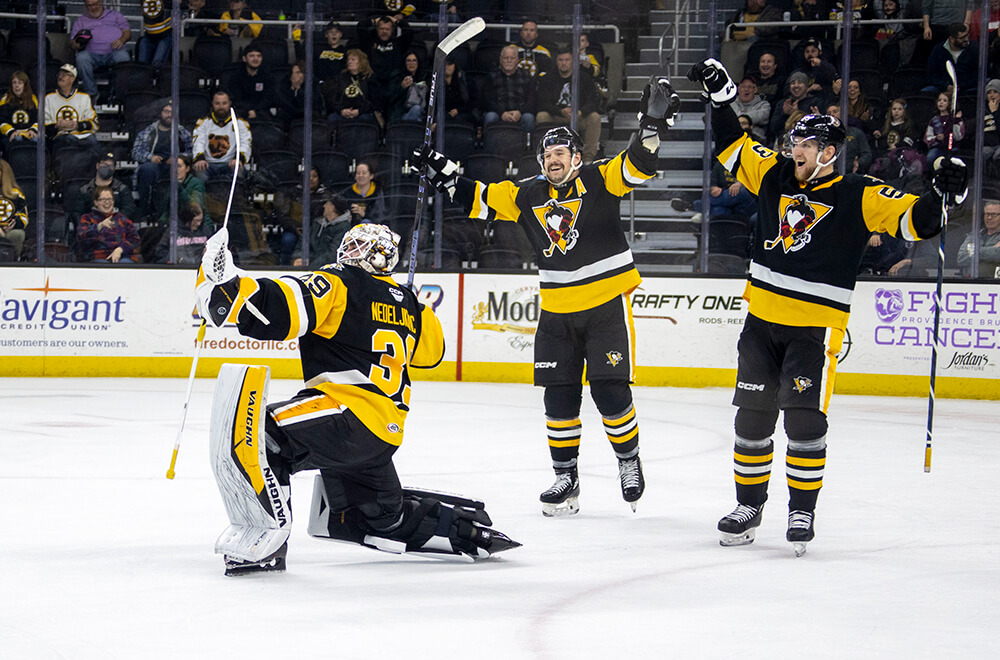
pixel 256 503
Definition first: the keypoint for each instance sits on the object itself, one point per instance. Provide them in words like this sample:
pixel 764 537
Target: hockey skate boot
pixel 562 497
pixel 740 526
pixel 275 562
pixel 630 474
pixel 800 530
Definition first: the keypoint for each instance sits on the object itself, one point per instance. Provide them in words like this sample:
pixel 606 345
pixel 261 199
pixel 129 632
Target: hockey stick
pixel 201 329
pixel 940 270
pixel 459 36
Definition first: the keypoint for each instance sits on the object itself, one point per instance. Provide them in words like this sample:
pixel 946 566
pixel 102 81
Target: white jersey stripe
pixel 597 268
pixel 352 377
pixel 790 283
pixel 300 306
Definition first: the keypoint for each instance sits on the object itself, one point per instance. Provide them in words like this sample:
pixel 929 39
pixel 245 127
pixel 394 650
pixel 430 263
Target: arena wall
pixel 142 322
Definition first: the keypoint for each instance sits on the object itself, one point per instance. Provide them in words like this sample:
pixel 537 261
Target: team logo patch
pixel 614 357
pixel 6 213
pixel 798 217
pixel 888 304
pixel 802 384
pixel 218 145
pixel 393 428
pixel 396 294
pixel 558 219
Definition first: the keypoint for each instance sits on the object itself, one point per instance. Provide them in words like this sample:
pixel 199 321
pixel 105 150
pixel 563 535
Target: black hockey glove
pixel 658 106
pixel 951 177
pixel 715 79
pixel 441 172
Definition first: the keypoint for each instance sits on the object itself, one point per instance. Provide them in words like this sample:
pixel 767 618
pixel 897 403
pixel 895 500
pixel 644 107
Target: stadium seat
pixel 212 54
pixel 357 137
pixel 508 141
pixel 321 134
pixel 486 168
pixel 333 166
pixel 459 140
pixel 128 77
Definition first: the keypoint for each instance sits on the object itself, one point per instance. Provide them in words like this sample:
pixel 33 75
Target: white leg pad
pixel 256 503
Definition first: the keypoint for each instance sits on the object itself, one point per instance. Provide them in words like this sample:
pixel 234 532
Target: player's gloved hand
pixel 217 260
pixel 441 172
pixel 217 294
pixel 715 79
pixel 658 106
pixel 951 177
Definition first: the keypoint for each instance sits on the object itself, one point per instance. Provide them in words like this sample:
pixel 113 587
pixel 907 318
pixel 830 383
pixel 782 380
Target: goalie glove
pixel 441 172
pixel 217 294
pixel 951 177
pixel 715 80
pixel 658 107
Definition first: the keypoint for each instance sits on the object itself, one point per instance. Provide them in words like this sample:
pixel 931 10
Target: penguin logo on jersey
pixel 558 219
pixel 798 217
pixel 802 384
pixel 614 357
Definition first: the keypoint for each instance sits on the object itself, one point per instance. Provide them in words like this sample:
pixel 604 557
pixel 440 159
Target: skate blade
pixel 272 566
pixel 800 548
pixel 632 504
pixel 727 539
pixel 568 508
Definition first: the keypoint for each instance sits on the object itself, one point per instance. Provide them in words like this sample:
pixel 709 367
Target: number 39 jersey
pixel 358 334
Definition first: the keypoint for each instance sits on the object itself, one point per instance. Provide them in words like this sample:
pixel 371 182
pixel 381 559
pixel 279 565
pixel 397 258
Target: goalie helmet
pixel 825 129
pixel 372 247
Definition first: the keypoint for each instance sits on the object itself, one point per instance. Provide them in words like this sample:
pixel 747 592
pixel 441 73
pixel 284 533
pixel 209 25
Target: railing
pixel 839 24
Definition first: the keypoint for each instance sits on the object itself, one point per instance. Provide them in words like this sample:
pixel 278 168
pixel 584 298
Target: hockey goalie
pixel 358 333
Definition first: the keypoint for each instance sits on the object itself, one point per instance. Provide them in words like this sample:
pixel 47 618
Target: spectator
pixel 239 11
pixel 151 150
pixel 939 17
pixel 592 60
pixel 154 47
pixel 288 213
pixel 459 104
pixel 798 99
pixel 901 166
pixel 808 10
pixel 756 107
pixel 863 10
pixel 884 255
pixel 893 32
pixel 197 9
pixel 104 176
pixel 99 38
pixel 897 121
pixel 289 98
pixel 962 53
pixel 250 86
pixel 351 95
pixel 364 196
pixel 332 54
pixel 397 10
pixel 18 111
pixel 770 81
pixel 190 192
pixel 532 56
pixel 13 209
pixel 727 198
pixel 410 98
pixel 857 151
pixel 753 11
pixel 991 127
pixel 385 43
pixel 821 73
pixel 105 234
pixel 192 234
pixel 859 113
pixel 987 241
pixel 554 102
pixel 69 115
pixel 326 231
pixel 939 126
pixel 215 141
pixel 993 22
pixel 511 95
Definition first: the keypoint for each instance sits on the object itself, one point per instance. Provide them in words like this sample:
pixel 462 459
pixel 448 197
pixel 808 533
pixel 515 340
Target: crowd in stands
pixel 371 81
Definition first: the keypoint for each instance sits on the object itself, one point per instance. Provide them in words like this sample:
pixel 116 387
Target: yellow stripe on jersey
pixel 430 348
pixel 307 409
pixel 330 306
pixel 777 308
pixel 378 413
pixel 248 287
pixel 889 210
pixel 501 197
pixel 621 175
pixel 568 299
pixel 749 161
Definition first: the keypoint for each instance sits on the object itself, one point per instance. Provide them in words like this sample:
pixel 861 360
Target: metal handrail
pixel 48 17
pixel 838 23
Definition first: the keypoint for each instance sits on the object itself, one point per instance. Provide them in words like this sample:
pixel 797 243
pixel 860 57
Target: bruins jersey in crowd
pixel 13 211
pixel 811 237
pixel 358 334
pixel 77 107
pixel 582 255
pixel 155 17
pixel 16 118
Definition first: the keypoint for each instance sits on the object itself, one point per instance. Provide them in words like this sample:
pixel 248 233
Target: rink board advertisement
pixel 142 322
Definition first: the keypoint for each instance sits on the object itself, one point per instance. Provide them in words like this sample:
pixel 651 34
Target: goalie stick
pixel 201 329
pixel 940 270
pixel 459 36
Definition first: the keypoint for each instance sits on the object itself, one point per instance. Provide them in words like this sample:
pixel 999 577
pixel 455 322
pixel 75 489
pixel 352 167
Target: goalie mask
pixel 560 137
pixel 825 130
pixel 372 247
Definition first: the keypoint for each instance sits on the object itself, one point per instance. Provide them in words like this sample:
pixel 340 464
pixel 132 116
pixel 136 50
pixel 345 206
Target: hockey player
pixel 570 214
pixel 812 230
pixel 358 333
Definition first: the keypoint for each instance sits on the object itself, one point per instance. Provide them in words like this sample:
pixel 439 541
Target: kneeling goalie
pixel 358 333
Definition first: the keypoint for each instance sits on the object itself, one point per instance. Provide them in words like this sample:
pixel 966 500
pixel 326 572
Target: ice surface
pixel 106 558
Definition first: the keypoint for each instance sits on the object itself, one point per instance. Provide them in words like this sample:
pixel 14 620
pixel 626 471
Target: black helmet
pixel 825 129
pixel 558 137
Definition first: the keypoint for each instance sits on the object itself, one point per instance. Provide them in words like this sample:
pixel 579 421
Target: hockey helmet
pixel 826 130
pixel 370 246
pixel 559 136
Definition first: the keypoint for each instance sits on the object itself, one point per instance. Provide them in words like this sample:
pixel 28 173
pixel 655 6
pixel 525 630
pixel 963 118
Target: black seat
pixel 321 134
pixel 921 106
pixel 499 258
pixel 728 235
pixel 487 56
pixel 190 78
pixel 23 48
pixel 356 137
pixel 130 77
pixel 333 166
pixel 527 165
pixel 864 55
pixel 386 166
pixel 195 104
pixel 283 166
pixel 508 141
pixel 459 141
pixel 8 67
pixel 486 168
pixel 134 102
pixel 212 54
pixel 268 135
pixel 22 157
pixel 907 80
pixel 274 52
pixel 73 161
pixel 404 137
pixel 870 81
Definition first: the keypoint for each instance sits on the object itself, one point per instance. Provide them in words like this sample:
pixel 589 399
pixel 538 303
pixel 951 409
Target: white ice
pixel 103 557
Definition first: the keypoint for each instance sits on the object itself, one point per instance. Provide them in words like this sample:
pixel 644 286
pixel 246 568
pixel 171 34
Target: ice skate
pixel 562 497
pixel 800 530
pixel 274 562
pixel 740 526
pixel 630 474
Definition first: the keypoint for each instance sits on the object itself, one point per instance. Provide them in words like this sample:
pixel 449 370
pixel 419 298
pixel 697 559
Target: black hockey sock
pixel 804 469
pixel 623 432
pixel 752 469
pixel 564 441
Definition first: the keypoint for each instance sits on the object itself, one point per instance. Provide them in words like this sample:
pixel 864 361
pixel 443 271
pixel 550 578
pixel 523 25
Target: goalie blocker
pixel 256 495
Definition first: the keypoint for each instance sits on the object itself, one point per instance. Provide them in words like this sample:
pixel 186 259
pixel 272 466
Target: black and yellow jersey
pixel 13 210
pixel 358 335
pixel 582 255
pixel 811 236
pixel 17 118
pixel 155 17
